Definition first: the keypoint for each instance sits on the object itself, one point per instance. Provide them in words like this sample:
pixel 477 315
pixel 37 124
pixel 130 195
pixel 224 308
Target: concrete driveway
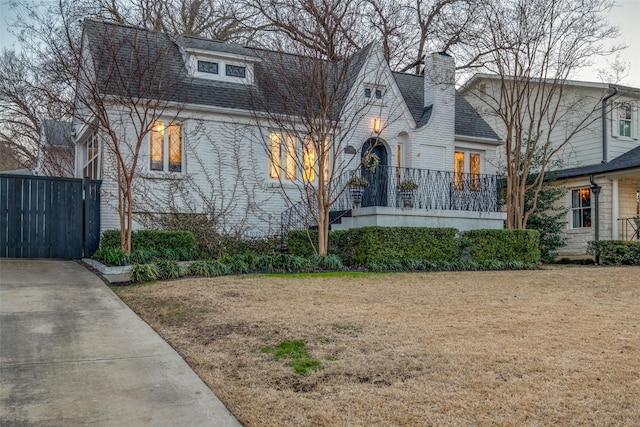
pixel 72 354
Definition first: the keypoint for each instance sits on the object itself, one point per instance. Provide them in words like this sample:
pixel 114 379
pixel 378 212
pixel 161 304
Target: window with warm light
pixel 308 160
pixel 282 147
pixel 581 207
pixel 458 170
pixel 165 147
pixel 464 161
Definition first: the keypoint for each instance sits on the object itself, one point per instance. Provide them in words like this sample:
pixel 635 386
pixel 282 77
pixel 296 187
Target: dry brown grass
pixel 557 346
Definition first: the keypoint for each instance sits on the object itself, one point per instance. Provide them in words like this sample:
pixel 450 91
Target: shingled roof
pixel 163 74
pixel 628 160
pixel 468 121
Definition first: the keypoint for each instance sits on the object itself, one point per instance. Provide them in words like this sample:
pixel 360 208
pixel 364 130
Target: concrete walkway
pixel 72 354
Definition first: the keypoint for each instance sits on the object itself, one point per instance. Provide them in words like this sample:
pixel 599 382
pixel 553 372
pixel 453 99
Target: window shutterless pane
pixel 274 155
pixel 235 71
pixel 367 92
pixel 378 94
pixel 156 146
pixel 308 160
pixel 175 147
pixel 208 67
pixel 290 157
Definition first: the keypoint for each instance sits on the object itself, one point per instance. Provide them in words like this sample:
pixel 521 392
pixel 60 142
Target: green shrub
pixel 615 252
pixel 168 269
pixel 144 272
pixel 363 245
pixel 209 268
pixel 329 262
pixel 111 256
pixel 150 239
pixel 235 263
pixel 503 245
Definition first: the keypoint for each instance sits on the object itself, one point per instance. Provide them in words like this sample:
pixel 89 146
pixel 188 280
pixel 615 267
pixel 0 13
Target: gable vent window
pixel 236 71
pixel 208 67
pixel 374 94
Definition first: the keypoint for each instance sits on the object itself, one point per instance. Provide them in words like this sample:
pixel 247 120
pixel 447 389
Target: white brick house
pixel 216 150
pixel 603 157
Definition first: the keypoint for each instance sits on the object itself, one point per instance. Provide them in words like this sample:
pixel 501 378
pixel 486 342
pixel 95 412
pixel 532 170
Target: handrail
pixel 436 190
pixel 629 228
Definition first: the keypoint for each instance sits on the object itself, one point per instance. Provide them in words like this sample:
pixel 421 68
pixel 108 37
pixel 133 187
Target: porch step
pixel 335 217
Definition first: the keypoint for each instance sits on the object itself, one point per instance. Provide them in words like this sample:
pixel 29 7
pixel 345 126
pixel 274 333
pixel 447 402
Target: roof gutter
pixel 604 123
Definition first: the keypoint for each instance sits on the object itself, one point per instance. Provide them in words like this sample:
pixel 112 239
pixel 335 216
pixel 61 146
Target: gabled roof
pixel 164 75
pixel 167 77
pixel 628 160
pixel 468 121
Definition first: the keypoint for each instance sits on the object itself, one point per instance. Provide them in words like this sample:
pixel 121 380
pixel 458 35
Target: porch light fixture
pixel 376 125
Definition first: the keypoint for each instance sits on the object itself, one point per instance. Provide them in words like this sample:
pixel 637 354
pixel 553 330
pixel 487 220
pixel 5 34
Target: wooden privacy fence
pixel 43 217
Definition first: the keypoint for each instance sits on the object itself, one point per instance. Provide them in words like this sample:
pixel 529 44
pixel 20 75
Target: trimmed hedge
pixel 376 246
pixel 502 245
pixel 151 239
pixel 616 252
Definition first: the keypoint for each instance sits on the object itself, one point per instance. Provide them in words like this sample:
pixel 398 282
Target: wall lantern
pixel 376 125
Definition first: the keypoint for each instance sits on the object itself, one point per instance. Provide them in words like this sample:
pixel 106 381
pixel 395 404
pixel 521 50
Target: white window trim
pixel 96 159
pixel 299 168
pixel 615 121
pixel 165 150
pixel 572 209
pixel 222 61
pixel 373 88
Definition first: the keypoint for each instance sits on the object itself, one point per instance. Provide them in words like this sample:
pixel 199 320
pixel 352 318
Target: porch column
pixel 615 209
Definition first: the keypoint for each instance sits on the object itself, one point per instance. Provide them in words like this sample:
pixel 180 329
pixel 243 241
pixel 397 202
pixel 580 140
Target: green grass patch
pixel 299 358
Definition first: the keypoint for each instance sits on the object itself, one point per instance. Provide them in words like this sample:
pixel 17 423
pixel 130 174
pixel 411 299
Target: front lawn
pixel 556 346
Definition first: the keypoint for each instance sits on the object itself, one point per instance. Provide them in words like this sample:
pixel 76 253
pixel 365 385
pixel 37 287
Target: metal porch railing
pixel 629 228
pixel 436 190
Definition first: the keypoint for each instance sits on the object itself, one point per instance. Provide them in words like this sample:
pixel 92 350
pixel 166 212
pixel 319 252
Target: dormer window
pixel 208 67
pixel 236 71
pixel 220 66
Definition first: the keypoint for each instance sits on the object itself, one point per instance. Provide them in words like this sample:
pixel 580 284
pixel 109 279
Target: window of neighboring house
pixel 165 147
pixel 282 151
pixel 208 67
pixel 581 207
pixel 91 166
pixel 308 160
pixel 624 120
pixel 463 161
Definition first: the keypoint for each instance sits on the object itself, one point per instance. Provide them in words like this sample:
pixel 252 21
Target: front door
pixel 376 193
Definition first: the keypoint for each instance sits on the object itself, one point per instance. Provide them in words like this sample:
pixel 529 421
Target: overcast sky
pixel 626 15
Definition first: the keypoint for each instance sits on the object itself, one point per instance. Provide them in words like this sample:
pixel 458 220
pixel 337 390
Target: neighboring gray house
pixel 601 162
pixel 56 149
pixel 216 148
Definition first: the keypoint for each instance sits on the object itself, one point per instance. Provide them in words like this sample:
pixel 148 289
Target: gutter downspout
pixel 595 189
pixel 604 123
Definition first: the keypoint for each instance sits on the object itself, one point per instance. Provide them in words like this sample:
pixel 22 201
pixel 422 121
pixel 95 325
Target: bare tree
pixel 20 129
pixel 534 47
pixel 127 89
pixel 310 117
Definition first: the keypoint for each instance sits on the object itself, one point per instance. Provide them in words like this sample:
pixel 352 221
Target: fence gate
pixel 43 217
